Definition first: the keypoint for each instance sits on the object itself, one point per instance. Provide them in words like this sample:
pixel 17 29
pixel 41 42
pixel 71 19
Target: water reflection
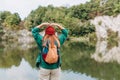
pixel 25 72
pixel 22 72
pixel 106 52
pixel 19 64
pixel 12 54
pixel 79 61
pixel 69 75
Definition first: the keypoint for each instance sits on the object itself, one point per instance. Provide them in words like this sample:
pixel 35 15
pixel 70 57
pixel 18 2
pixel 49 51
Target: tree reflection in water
pixel 77 58
pixel 106 52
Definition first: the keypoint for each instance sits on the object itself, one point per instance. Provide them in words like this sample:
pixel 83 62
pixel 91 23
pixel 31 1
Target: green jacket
pixel 38 38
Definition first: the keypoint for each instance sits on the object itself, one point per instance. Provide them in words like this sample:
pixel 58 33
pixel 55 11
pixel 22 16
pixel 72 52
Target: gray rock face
pixel 22 38
pixel 103 23
pixel 25 39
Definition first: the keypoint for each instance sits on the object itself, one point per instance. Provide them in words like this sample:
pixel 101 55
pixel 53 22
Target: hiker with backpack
pixel 49 59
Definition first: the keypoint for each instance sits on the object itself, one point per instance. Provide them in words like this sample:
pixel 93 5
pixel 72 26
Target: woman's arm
pixel 58 25
pixel 62 37
pixel 43 24
pixel 35 32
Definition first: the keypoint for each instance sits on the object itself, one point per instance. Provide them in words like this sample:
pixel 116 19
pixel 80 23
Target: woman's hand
pixel 58 25
pixel 54 24
pixel 43 24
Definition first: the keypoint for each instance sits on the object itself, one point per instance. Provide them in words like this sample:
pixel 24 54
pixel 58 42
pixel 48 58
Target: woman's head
pixel 50 30
pixel 50 34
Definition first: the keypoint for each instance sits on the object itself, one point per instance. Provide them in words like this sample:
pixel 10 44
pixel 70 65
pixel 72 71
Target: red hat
pixel 50 30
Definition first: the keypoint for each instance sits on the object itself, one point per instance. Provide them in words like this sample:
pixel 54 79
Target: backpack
pixel 50 54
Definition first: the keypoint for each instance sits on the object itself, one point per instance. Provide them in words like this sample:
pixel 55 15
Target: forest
pixel 75 18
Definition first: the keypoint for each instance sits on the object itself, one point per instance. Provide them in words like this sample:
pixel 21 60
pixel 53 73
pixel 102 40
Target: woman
pixel 49 71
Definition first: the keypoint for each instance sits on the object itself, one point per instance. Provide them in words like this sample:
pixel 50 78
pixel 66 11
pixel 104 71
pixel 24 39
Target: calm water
pixel 80 61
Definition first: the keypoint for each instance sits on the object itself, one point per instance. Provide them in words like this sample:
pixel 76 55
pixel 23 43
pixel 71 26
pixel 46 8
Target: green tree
pixel 12 21
pixel 3 16
pixel 81 12
pixel 35 17
pixel 54 14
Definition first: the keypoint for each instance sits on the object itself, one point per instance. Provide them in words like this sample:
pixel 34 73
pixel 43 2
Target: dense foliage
pixel 75 18
pixel 9 20
pixel 76 56
pixel 60 15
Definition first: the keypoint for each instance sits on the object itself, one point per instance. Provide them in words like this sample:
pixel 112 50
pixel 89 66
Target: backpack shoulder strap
pixel 57 42
pixel 45 43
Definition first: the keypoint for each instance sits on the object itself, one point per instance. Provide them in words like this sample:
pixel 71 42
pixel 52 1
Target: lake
pixel 80 61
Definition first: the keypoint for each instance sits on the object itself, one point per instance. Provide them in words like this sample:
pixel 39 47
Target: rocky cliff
pixel 105 23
